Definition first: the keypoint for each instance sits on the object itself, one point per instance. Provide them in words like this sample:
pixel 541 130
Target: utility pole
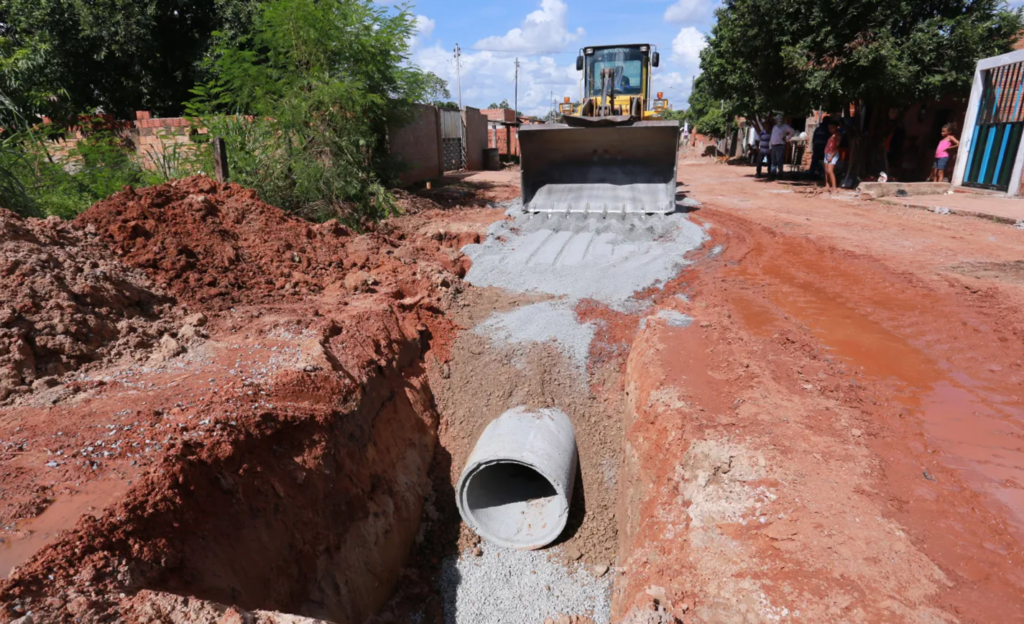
pixel 458 72
pixel 515 102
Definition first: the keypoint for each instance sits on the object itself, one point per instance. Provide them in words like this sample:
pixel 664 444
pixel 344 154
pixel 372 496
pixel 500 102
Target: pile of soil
pixel 211 242
pixel 66 301
pixel 216 245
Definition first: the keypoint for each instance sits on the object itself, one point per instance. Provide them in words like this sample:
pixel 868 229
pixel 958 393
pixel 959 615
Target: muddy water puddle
pixel 977 425
pixel 33 534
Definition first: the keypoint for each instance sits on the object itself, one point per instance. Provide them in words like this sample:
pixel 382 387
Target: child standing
pixel 831 156
pixel 946 143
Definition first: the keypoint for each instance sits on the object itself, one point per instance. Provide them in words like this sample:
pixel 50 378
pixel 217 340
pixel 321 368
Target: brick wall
pixel 160 139
pixel 417 145
pixel 500 136
pixel 153 140
pixel 476 138
pixel 499 114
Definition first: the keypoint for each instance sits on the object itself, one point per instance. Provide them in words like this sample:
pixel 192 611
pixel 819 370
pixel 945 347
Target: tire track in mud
pixel 783 426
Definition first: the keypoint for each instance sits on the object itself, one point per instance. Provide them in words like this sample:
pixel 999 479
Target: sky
pixel 546 36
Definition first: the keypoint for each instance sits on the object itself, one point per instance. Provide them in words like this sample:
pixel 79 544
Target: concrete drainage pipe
pixel 517 484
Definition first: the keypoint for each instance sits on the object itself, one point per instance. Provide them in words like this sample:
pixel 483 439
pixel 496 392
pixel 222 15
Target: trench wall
pixel 311 508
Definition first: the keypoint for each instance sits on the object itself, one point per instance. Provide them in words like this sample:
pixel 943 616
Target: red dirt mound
pixel 65 301
pixel 217 243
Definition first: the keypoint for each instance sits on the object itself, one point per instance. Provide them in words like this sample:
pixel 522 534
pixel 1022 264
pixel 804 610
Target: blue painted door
pixel 997 132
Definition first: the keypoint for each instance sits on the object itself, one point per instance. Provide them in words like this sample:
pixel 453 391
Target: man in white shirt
pixel 781 133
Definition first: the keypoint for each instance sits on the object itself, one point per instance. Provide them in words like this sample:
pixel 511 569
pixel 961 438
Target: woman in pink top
pixel 832 156
pixel 947 143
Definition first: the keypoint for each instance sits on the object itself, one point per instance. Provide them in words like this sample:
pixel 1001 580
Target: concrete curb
pixel 960 212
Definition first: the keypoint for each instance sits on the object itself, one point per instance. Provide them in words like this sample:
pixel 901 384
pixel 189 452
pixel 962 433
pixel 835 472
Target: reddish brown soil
pixel 839 436
pixel 276 408
pixel 65 302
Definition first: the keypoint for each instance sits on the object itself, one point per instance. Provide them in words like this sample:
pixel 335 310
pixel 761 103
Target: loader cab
pixel 631 64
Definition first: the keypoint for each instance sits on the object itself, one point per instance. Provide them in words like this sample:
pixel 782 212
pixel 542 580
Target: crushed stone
pixel 548 321
pixel 583 257
pixel 520 587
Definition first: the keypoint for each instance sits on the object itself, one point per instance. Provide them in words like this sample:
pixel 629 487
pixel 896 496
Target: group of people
pixel 772 146
pixel 829 149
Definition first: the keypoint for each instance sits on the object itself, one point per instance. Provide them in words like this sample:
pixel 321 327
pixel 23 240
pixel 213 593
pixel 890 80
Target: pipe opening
pixel 514 503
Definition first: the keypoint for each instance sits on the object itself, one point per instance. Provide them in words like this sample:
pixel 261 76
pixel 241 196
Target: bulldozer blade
pixel 599 170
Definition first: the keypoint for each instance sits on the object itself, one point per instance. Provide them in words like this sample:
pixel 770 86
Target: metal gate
pixel 453 140
pixel 997 132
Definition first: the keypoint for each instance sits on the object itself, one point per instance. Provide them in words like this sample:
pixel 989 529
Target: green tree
pixel 707 114
pixel 792 56
pixel 118 56
pixel 435 88
pixel 436 93
pixel 321 81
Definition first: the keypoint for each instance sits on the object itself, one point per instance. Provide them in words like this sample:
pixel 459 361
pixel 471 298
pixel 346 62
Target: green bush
pixel 304 104
pixel 99 165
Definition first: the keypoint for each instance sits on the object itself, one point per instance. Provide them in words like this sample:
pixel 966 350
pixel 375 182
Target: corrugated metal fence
pixel 453 139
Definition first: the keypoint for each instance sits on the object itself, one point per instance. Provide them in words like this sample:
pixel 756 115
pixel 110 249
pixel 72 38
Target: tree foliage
pixel 796 55
pixel 435 88
pixel 504 104
pixel 707 114
pixel 63 57
pixel 436 93
pixel 305 102
pixel 792 55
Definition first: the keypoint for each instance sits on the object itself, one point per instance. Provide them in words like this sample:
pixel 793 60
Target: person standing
pixel 946 143
pixel 781 134
pixel 818 140
pixel 831 156
pixel 764 149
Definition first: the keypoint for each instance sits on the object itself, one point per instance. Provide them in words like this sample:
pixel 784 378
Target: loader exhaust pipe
pixel 517 484
pixel 600 167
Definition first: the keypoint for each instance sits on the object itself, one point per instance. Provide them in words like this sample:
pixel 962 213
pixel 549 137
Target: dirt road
pixel 220 408
pixel 846 428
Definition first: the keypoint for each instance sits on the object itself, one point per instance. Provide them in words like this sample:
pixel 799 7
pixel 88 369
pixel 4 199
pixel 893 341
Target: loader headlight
pixel 565 109
pixel 588 51
pixel 660 105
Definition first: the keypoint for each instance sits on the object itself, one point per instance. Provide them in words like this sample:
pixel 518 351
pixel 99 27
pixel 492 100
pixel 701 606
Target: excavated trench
pixel 333 496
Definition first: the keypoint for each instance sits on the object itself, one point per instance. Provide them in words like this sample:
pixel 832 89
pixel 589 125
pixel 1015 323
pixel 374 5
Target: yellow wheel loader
pixel 613 154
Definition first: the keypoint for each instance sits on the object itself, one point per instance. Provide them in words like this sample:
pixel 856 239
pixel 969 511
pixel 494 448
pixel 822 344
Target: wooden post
pixel 220 160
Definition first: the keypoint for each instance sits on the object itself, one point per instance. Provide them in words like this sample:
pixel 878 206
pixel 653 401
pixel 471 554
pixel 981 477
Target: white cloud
pixel 488 72
pixel 422 29
pixel 425 25
pixel 543 32
pixel 687 45
pixel 488 77
pixel 690 10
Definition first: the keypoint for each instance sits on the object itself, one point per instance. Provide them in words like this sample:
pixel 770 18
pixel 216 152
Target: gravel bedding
pixel 584 257
pixel 520 587
pixel 548 321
